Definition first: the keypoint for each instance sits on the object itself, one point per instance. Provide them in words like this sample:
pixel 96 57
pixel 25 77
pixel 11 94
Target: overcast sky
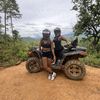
pixel 40 14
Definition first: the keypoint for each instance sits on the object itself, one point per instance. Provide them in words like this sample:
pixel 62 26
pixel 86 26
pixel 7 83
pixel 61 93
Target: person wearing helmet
pixel 58 46
pixel 46 47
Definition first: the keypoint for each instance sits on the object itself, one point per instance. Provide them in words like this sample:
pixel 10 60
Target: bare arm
pixel 64 39
pixel 52 48
pixel 40 45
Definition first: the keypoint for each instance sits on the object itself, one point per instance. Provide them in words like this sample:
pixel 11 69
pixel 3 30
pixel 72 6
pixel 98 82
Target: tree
pixel 3 8
pixel 88 19
pixel 0 25
pixel 16 38
pixel 10 9
pixel 15 35
pixel 13 12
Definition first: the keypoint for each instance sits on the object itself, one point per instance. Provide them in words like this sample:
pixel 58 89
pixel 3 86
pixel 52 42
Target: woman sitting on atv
pixel 46 47
pixel 58 47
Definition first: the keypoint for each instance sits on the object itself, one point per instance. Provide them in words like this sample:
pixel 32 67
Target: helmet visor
pixel 57 33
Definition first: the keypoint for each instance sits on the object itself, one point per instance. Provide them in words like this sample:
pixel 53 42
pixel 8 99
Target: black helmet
pixel 57 31
pixel 46 33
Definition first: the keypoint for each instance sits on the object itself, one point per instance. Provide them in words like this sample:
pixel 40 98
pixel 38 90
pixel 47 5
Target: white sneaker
pixel 53 76
pixel 49 77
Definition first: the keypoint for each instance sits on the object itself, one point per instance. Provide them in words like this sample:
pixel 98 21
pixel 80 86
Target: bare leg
pixel 45 64
pixel 49 63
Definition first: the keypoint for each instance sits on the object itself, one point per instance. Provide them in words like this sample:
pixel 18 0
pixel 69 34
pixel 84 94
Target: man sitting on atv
pixel 58 46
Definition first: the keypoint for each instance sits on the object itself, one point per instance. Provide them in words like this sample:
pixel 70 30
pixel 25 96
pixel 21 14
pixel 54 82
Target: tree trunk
pixel 95 43
pixel 5 22
pixel 11 24
pixel 0 25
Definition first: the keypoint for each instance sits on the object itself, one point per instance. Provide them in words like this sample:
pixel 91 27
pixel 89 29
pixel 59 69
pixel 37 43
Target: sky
pixel 40 14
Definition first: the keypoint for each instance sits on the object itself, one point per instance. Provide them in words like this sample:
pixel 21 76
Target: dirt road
pixel 17 84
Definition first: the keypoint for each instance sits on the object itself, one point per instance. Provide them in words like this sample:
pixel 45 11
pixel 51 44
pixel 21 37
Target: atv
pixel 70 64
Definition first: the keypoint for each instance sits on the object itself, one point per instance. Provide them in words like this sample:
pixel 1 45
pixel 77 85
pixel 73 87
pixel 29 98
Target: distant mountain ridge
pixel 69 35
pixel 29 39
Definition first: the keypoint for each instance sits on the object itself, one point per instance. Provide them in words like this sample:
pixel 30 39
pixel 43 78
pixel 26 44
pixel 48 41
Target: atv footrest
pixel 54 66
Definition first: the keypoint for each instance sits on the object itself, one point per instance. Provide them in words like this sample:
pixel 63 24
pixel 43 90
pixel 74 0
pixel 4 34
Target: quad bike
pixel 69 64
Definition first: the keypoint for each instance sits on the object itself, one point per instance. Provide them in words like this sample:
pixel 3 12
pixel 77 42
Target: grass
pixel 92 59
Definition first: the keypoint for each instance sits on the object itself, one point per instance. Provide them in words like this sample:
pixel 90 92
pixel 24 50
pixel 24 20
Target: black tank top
pixel 46 43
pixel 57 41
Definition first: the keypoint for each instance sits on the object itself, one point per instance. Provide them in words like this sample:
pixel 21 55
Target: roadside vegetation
pixel 12 53
pixel 93 56
pixel 88 25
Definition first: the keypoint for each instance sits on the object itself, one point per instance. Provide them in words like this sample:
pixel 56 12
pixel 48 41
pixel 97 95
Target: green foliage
pixel 10 52
pixel 22 55
pixel 14 50
pixel 88 19
pixel 93 57
pixel 11 10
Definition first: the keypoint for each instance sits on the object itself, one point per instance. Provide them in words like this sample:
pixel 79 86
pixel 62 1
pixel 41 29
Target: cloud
pixel 40 14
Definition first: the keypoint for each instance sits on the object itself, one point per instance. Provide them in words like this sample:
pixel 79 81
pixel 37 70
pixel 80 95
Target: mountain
pixel 69 36
pixel 30 39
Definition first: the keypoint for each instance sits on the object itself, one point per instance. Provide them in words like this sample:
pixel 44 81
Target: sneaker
pixel 49 77
pixel 53 76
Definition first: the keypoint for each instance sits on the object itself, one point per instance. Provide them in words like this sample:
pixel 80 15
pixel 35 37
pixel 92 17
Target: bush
pixel 11 52
pixel 92 60
pixel 14 51
pixel 93 57
pixel 22 55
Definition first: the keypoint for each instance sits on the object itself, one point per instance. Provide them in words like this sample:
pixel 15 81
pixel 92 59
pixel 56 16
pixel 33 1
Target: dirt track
pixel 17 84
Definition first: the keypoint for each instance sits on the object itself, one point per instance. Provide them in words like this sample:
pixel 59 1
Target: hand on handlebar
pixel 68 46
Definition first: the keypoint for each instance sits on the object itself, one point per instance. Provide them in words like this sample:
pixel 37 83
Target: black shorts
pixel 47 54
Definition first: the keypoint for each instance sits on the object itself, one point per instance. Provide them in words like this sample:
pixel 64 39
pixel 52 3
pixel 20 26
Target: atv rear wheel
pixel 75 70
pixel 33 65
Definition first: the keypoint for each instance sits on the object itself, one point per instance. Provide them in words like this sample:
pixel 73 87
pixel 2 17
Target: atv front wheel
pixel 33 65
pixel 74 70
